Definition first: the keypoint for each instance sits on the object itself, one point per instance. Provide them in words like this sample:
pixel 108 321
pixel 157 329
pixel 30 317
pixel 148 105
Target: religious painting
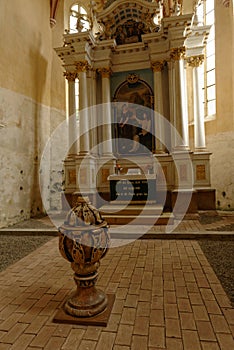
pixel 129 32
pixel 134 122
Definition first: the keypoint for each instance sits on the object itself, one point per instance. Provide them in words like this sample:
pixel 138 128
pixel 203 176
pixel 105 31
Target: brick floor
pixel 167 297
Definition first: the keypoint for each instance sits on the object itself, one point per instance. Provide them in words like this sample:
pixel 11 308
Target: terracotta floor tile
pixel 162 301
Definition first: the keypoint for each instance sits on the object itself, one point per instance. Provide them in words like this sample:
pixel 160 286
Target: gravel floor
pixel 14 248
pixel 220 255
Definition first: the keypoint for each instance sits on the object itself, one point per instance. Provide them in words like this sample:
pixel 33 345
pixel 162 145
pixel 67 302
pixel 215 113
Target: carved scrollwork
pixel 105 72
pixel 195 61
pixel 132 78
pixel 70 76
pixel 157 66
pixel 178 53
pixel 82 66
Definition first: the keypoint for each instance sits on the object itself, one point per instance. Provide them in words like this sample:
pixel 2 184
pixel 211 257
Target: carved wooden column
pixel 180 99
pixel 199 125
pixel 82 67
pixel 72 123
pixel 106 110
pixel 158 106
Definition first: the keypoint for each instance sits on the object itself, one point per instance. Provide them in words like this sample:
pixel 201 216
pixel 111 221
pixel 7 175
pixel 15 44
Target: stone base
pixel 206 199
pixel 187 196
pixel 98 320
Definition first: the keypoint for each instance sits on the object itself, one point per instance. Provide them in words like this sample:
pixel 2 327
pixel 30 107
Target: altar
pixel 133 188
pixel 133 200
pixel 134 68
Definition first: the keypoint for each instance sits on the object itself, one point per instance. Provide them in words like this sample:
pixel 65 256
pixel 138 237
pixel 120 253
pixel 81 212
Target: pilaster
pixel 199 126
pixel 72 123
pixel 157 67
pixel 180 109
pixel 106 110
pixel 82 68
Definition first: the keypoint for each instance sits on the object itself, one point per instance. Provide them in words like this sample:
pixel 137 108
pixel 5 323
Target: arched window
pixel 206 16
pixel 78 21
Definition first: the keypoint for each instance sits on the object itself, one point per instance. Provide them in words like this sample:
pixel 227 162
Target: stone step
pixel 136 210
pixel 139 220
pixel 122 213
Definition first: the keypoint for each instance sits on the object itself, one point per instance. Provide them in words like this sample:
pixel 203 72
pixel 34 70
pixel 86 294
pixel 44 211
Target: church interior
pixel 75 78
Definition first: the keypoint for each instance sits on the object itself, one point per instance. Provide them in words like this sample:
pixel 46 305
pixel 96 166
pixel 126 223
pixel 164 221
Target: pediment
pixel 127 21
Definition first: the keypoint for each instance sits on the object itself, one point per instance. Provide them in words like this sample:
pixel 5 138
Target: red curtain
pixel 53 8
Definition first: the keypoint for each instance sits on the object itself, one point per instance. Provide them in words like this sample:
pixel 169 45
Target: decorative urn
pixel 83 240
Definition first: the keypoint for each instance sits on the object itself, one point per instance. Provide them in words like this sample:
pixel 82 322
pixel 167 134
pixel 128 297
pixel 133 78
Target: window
pixel 79 21
pixel 206 16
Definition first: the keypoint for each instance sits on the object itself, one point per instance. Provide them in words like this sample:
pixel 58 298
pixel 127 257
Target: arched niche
pixel 133 117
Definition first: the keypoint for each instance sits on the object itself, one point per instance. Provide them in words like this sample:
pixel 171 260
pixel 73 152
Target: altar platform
pixel 134 201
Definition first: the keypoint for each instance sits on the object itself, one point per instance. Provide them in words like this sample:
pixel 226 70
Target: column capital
pixel 105 72
pixel 157 66
pixel 70 76
pixel 82 66
pixel 195 61
pixel 178 53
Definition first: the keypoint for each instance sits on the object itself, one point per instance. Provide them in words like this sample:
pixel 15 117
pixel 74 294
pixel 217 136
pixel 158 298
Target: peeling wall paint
pixel 27 128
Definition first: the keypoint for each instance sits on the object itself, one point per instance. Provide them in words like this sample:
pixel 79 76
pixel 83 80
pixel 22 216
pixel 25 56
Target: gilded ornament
pixel 132 78
pixel 82 66
pixel 178 53
pixel 105 72
pixel 70 76
pixel 195 61
pixel 157 66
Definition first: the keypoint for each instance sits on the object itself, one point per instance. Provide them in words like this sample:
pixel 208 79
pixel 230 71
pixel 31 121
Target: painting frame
pixel 133 117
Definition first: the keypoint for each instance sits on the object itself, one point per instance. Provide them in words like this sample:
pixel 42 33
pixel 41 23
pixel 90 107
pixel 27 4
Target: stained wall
pixel 220 130
pixel 32 102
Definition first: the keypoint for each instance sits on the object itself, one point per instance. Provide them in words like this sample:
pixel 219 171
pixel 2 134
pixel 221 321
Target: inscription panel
pixel 139 190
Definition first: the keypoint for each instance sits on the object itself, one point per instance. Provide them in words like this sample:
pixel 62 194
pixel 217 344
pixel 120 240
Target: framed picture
pixel 133 115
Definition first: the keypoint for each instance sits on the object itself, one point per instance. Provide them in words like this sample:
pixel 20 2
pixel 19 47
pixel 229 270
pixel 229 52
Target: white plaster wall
pixel 27 127
pixel 58 150
pixel 222 165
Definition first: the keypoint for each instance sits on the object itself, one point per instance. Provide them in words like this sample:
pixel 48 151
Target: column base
pixel 181 149
pixel 158 152
pixel 83 154
pixel 200 150
pixel 108 155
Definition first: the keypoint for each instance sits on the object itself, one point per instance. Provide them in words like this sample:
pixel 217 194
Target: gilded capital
pixel 105 72
pixel 70 76
pixel 195 61
pixel 157 66
pixel 178 53
pixel 82 66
